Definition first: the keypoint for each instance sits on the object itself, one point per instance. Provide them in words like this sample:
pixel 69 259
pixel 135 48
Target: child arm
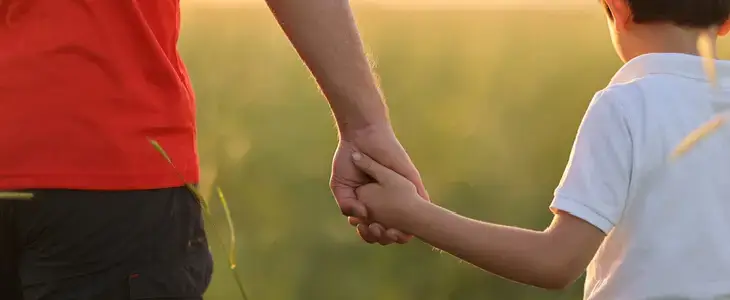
pixel 588 203
pixel 550 259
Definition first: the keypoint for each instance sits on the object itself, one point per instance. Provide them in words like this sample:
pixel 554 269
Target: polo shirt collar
pixel 685 65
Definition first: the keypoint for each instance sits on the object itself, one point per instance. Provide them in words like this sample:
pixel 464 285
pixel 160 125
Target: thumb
pixel 371 167
pixel 348 203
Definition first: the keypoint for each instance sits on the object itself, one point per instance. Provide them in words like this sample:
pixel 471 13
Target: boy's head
pixel 644 26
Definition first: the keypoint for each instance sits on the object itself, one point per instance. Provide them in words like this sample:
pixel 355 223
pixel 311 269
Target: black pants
pixel 102 245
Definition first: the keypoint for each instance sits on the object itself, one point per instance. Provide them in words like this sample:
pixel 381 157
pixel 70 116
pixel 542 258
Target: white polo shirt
pixel 668 222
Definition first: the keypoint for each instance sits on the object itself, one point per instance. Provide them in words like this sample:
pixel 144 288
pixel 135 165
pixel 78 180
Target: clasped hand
pixel 355 183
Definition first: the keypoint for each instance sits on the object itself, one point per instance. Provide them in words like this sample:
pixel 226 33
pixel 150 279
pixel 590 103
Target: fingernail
pixel 375 230
pixel 356 156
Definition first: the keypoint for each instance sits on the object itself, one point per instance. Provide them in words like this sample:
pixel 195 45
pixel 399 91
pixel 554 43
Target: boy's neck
pixel 665 38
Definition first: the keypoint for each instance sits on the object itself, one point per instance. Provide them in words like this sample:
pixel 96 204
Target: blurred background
pixel 485 95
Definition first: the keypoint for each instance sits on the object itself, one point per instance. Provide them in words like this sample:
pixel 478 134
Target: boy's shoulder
pixel 619 95
pixel 633 101
pixel 660 78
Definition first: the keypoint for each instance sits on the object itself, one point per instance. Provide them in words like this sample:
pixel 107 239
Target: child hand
pixel 390 197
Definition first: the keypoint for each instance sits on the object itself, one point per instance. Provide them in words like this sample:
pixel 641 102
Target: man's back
pixel 672 231
pixel 84 83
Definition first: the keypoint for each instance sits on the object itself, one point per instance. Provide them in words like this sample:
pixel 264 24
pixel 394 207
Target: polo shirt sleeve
pixel 595 183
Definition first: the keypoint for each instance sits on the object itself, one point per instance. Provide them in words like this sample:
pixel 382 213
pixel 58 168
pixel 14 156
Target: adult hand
pixel 392 198
pixel 380 144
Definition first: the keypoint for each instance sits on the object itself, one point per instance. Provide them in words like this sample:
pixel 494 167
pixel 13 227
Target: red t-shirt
pixel 83 85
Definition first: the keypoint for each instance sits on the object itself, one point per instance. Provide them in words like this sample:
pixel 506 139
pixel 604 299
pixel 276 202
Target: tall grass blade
pixel 204 203
pixel 696 136
pixel 706 48
pixel 232 253
pixel 203 200
pixel 15 196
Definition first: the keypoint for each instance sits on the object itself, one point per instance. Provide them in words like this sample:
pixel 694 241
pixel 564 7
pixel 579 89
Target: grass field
pixel 486 102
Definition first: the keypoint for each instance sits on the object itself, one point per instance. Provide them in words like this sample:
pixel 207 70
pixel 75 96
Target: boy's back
pixel 668 220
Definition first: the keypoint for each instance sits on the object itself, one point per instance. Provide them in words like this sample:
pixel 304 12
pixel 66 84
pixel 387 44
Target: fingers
pixel 371 167
pixel 398 236
pixel 364 231
pixel 415 178
pixel 399 167
pixel 376 233
pixel 354 221
pixel 385 239
pixel 347 201
pixel 406 168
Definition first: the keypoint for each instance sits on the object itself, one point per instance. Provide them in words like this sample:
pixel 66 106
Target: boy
pixel 645 226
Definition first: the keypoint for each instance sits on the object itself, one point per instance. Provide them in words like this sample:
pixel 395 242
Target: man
pixel 85 85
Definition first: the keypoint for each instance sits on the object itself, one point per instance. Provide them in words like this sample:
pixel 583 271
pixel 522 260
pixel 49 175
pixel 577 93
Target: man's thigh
pixel 112 245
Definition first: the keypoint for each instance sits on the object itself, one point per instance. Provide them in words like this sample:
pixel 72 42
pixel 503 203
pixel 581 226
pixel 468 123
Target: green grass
pixel 486 102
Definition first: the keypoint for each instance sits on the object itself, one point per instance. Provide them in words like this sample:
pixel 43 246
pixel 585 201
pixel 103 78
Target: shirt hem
pixel 102 182
pixel 581 211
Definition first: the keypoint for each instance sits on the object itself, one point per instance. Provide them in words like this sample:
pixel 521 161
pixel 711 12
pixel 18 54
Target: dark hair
pixel 687 13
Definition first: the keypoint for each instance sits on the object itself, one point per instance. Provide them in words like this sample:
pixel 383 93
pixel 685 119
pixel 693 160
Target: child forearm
pixel 517 254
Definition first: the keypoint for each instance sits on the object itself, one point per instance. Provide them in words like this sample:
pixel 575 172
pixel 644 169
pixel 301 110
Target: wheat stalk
pixel 204 202
pixel 706 48
pixel 231 253
pixel 15 196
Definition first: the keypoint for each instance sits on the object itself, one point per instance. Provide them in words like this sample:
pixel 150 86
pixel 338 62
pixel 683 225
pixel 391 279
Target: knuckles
pixel 366 192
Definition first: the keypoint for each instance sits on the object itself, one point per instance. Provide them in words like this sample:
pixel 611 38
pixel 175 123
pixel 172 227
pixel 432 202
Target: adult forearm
pixel 513 253
pixel 325 36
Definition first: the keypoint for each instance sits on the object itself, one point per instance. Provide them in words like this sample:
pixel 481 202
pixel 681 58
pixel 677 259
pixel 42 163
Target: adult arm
pixel 325 36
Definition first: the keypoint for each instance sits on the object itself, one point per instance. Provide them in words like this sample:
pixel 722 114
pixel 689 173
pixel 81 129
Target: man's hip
pixel 110 244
